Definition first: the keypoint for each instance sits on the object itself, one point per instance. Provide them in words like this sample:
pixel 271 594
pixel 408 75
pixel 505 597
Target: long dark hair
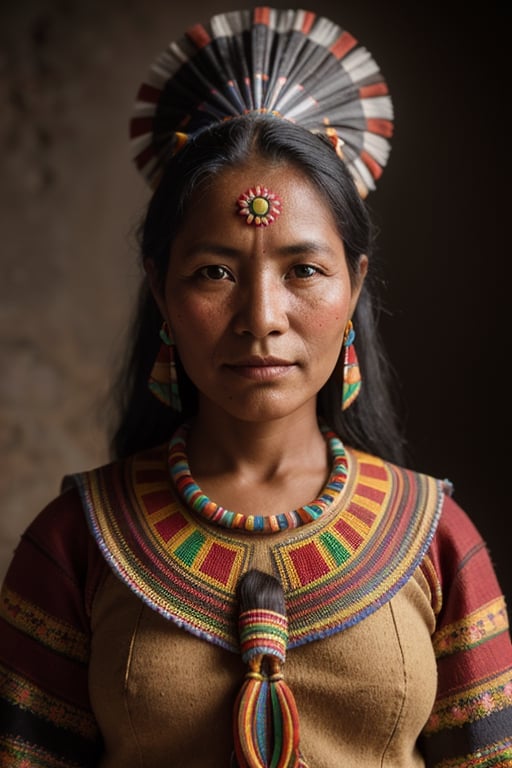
pixel 370 424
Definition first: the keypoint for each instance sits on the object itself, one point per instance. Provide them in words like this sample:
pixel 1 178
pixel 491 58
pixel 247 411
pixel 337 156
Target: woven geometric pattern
pixel 363 557
pixel 354 558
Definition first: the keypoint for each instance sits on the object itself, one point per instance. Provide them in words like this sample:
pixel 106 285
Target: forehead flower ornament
pixel 260 206
pixel 286 64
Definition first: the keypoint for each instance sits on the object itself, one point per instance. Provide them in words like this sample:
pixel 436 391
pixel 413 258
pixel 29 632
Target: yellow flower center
pixel 260 206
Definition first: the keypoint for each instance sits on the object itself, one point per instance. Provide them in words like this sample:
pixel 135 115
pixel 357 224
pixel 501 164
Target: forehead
pixel 214 204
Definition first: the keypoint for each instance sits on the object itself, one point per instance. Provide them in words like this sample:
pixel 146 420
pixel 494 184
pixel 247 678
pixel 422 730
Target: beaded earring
pixel 163 379
pixel 351 371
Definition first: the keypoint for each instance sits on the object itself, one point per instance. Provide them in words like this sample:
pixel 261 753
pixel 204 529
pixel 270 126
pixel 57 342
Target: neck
pixel 218 444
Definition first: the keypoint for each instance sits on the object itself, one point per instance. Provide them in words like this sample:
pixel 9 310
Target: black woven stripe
pixel 25 726
pixel 470 738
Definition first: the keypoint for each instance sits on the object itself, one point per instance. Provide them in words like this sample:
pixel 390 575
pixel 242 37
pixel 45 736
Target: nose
pixel 262 306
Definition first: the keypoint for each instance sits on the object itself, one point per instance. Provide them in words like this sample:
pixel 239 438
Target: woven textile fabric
pixel 333 573
pixel 392 535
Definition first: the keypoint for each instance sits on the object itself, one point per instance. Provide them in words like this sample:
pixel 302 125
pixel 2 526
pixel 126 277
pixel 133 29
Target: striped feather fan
pixel 292 63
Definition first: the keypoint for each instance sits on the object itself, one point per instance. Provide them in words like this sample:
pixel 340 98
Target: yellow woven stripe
pixel 25 695
pixel 41 626
pixel 475 704
pixel 376 483
pixel 367 458
pixel 472 630
pixel 359 525
pixel 373 506
pixel 436 592
pixel 161 514
pixel 376 508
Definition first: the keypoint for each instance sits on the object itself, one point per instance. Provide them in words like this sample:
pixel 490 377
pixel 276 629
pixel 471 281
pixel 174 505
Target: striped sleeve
pixel 471 722
pixel 45 715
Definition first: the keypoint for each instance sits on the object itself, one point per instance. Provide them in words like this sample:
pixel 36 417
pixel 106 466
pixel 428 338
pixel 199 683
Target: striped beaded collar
pixel 194 498
pixel 335 571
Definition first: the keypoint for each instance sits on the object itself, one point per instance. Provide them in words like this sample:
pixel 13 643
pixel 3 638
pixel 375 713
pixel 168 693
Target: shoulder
pixel 459 568
pixel 57 547
pixel 55 569
pixel 457 540
pixel 60 530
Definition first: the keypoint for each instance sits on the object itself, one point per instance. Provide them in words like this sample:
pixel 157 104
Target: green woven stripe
pixel 277 717
pixel 339 553
pixel 187 552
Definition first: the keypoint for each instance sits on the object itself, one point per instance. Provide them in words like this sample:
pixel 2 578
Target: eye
pixel 304 270
pixel 215 272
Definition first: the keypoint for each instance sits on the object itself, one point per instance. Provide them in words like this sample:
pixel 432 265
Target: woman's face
pixel 258 312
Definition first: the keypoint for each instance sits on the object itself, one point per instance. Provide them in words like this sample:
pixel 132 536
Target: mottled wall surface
pixel 70 200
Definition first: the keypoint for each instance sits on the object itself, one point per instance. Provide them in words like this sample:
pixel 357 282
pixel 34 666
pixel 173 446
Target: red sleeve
pixel 45 714
pixel 471 722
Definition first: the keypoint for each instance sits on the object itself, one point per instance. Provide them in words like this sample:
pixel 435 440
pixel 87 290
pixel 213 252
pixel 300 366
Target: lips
pixel 261 368
pixel 260 361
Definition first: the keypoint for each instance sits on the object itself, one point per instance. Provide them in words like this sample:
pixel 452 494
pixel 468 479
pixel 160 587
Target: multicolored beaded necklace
pixel 195 499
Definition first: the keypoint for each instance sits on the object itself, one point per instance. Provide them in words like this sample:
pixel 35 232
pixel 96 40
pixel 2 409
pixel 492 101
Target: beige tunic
pixel 163 698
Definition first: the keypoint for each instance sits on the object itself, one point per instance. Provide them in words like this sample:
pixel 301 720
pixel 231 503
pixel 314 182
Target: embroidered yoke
pixel 334 571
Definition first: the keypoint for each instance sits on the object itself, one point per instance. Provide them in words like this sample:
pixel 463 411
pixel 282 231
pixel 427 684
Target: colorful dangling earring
pixel 351 372
pixel 163 379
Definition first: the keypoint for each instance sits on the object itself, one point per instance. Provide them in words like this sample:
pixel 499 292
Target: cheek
pixel 191 313
pixel 328 316
pixel 329 320
pixel 325 329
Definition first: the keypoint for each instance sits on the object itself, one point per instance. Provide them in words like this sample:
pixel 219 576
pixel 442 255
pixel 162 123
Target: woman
pixel 255 580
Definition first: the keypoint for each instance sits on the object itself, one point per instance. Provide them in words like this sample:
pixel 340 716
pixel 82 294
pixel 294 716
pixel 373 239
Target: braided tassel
pixel 250 719
pixel 286 721
pixel 265 717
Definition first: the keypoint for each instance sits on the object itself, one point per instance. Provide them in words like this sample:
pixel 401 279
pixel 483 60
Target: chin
pixel 263 408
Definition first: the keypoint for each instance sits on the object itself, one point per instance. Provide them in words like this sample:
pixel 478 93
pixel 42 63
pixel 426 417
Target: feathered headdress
pixel 290 63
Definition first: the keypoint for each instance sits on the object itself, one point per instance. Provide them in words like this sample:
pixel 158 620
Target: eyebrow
pixel 293 249
pixel 306 246
pixel 216 248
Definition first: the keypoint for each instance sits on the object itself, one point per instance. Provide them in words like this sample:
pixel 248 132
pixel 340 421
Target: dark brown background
pixel 70 199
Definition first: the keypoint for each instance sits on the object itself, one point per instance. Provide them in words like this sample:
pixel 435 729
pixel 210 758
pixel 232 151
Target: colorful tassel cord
pixel 266 721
